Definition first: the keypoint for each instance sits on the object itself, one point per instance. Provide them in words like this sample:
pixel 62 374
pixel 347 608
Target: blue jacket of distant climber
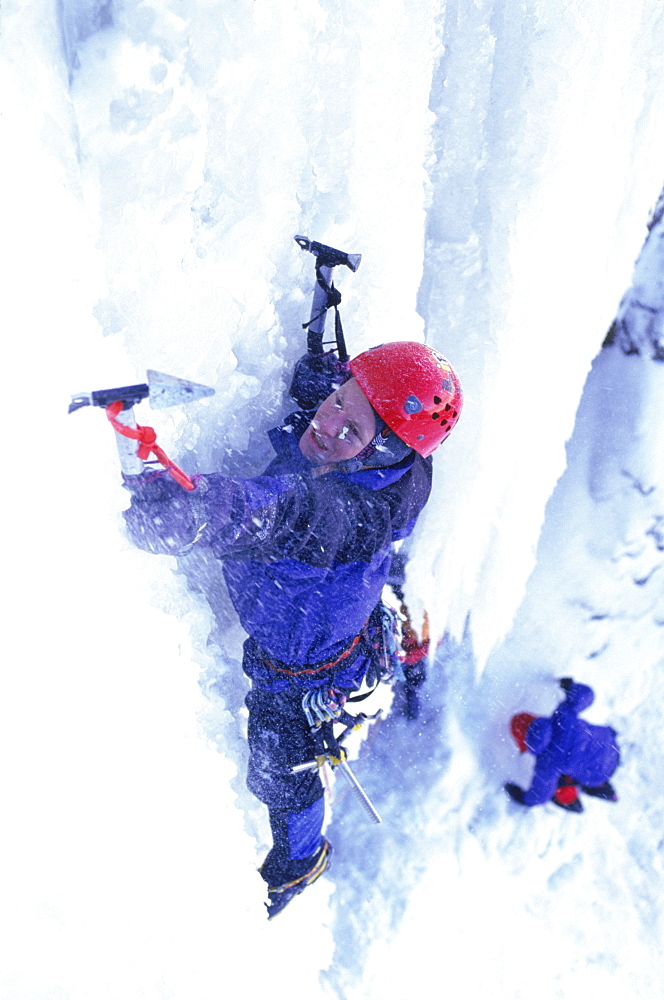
pixel 566 745
pixel 305 558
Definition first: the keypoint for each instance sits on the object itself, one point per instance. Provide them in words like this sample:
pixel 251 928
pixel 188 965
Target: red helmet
pixel 519 725
pixel 413 388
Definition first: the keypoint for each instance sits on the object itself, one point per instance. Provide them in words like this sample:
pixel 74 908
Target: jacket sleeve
pixel 578 697
pixel 544 783
pixel 264 519
pixel 163 517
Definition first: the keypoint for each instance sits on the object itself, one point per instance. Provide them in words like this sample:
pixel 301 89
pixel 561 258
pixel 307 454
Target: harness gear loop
pixel 147 444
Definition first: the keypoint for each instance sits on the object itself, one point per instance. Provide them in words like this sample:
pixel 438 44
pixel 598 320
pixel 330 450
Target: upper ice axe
pixel 327 258
pixel 160 390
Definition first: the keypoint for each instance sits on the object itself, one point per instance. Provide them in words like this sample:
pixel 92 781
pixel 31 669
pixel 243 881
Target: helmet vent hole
pixel 434 416
pixel 437 400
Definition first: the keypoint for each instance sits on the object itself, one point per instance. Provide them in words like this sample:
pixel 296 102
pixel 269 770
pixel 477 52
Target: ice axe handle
pixel 319 305
pixel 355 786
pixel 360 793
pixel 130 463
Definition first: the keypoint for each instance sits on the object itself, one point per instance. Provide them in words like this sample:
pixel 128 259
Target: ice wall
pixel 522 886
pixel 548 157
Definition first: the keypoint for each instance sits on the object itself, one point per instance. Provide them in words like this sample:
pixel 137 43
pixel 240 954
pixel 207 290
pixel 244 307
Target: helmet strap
pixel 384 449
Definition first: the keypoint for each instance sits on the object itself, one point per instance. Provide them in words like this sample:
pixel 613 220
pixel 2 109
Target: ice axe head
pixel 328 256
pixel 168 390
pixel 161 391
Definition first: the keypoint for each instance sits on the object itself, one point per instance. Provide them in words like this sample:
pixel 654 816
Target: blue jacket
pixel 565 744
pixel 305 559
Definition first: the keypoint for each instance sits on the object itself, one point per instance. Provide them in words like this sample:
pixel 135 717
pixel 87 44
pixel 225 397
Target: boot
pixel 604 791
pixel 279 896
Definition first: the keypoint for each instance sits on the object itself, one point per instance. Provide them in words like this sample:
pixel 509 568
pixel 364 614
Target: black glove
pixel 566 683
pixel 152 485
pixel 314 378
pixel 162 517
pixel 515 793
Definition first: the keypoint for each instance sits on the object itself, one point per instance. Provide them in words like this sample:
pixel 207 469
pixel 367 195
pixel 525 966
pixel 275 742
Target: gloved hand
pixel 515 793
pixel 322 705
pixel 314 378
pixel 566 683
pixel 162 517
pixel 150 485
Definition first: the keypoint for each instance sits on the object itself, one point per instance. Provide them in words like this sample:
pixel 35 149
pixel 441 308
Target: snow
pixel 496 164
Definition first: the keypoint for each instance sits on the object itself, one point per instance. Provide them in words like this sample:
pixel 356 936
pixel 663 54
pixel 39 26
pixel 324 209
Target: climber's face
pixel 344 425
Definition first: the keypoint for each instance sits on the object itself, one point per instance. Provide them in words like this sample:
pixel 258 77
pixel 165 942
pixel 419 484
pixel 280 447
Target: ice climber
pixel 570 753
pixel 306 550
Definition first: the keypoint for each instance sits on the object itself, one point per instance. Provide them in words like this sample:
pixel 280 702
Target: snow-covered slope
pixel 495 164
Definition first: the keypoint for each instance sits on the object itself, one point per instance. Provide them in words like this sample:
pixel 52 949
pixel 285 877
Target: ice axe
pixel 354 784
pixel 328 256
pixel 326 295
pixel 332 752
pixel 135 443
